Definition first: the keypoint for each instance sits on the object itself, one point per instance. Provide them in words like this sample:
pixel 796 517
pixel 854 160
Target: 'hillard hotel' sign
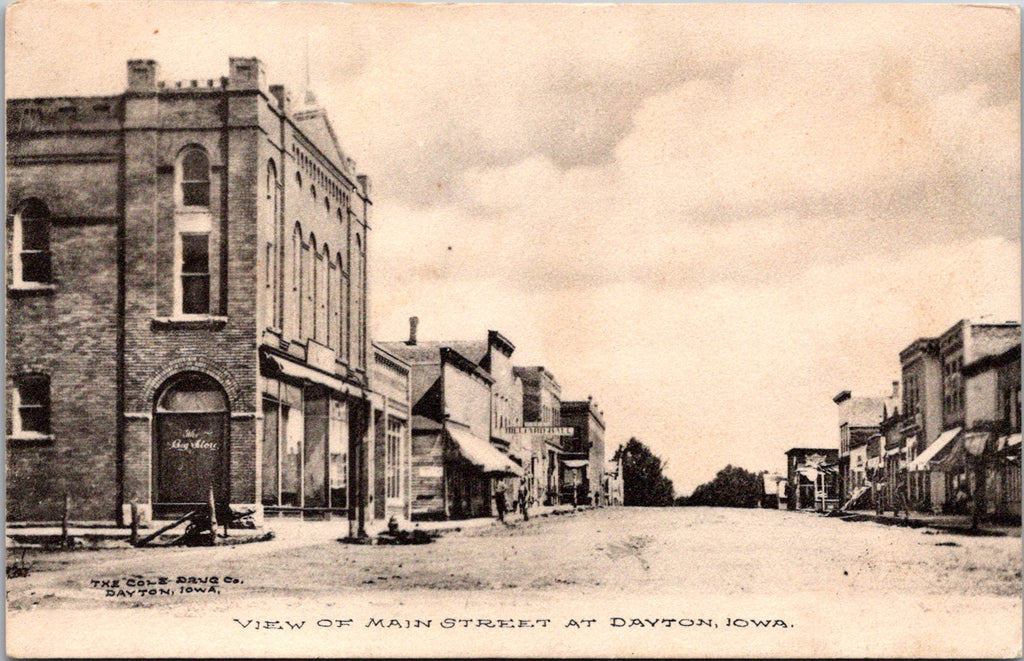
pixel 539 430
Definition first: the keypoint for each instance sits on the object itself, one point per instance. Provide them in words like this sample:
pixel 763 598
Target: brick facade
pixel 250 276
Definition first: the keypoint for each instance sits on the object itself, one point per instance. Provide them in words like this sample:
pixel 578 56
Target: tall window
pixel 31 248
pixel 192 227
pixel 293 289
pixel 308 279
pixel 271 282
pixel 195 178
pixel 32 405
pixel 332 304
pixel 393 459
pixel 323 322
pixel 342 284
pixel 358 303
pixel 195 273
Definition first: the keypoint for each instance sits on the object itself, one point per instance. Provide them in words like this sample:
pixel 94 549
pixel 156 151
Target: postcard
pixel 512 330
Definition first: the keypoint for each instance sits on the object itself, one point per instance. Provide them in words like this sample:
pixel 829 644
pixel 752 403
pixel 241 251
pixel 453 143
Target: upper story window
pixel 31 248
pixel 31 406
pixel 195 273
pixel 194 176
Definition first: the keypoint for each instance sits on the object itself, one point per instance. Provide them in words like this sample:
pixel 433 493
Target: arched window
pixel 358 302
pixel 31 245
pixel 341 285
pixel 306 329
pixel 194 175
pixel 293 289
pixel 271 178
pixel 270 275
pixel 192 392
pixel 322 293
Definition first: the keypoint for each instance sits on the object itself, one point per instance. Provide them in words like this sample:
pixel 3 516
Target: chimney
pixel 895 389
pixel 413 323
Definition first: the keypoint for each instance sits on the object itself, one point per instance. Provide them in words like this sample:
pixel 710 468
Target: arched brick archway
pixel 191 441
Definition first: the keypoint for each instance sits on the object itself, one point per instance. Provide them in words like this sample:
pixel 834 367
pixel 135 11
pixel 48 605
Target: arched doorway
pixel 190 442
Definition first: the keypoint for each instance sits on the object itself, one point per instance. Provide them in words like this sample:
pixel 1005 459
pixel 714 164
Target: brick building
pixel 938 474
pixel 542 407
pixel 921 425
pixel 993 413
pixel 187 303
pixel 583 459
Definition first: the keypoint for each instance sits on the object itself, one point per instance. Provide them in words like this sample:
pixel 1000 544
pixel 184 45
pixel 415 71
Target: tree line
pixel 645 485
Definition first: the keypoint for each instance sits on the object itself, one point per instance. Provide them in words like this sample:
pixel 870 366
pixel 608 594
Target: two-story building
pixel 187 303
pixel 860 418
pixel 461 414
pixel 940 467
pixel 542 409
pixel 583 456
pixel 992 430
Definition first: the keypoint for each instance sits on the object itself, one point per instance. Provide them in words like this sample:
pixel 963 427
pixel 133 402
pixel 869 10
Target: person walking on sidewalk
pixel 499 500
pixel 524 500
pixel 901 502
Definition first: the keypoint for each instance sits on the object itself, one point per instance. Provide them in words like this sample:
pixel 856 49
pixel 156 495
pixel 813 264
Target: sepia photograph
pixel 512 330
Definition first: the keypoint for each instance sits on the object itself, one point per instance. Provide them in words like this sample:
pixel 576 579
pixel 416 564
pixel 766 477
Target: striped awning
pixel 932 451
pixel 482 454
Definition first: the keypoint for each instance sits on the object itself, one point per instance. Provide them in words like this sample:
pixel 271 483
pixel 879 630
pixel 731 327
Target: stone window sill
pixel 29 438
pixel 31 289
pixel 189 323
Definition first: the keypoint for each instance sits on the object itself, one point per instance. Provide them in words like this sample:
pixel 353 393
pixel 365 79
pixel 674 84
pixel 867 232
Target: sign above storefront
pixel 541 431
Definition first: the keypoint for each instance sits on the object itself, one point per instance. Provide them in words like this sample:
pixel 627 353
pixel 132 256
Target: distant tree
pixel 732 487
pixel 643 483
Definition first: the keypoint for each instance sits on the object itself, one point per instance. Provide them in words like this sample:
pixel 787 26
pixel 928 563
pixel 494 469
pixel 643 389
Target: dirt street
pixel 672 581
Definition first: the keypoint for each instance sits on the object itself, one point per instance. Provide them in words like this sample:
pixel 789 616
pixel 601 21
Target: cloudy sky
pixel 712 218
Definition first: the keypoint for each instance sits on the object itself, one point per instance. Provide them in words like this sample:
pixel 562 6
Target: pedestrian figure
pixel 523 500
pixel 901 501
pixel 499 500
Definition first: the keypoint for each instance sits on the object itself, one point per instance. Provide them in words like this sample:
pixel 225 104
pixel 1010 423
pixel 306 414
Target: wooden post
pixel 149 538
pixel 213 514
pixel 64 521
pixel 134 539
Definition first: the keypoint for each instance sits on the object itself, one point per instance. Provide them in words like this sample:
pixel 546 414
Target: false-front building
pixel 187 306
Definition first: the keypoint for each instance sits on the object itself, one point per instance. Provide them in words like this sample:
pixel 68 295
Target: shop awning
pixel 482 454
pixel 809 472
pixel 1008 443
pixel 944 439
pixel 296 371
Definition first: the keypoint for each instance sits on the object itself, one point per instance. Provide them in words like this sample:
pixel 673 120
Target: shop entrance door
pixel 191 444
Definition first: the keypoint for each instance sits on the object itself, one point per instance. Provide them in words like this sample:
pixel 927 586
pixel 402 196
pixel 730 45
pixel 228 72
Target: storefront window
pixel 338 439
pixel 315 457
pixel 271 427
pixel 291 460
